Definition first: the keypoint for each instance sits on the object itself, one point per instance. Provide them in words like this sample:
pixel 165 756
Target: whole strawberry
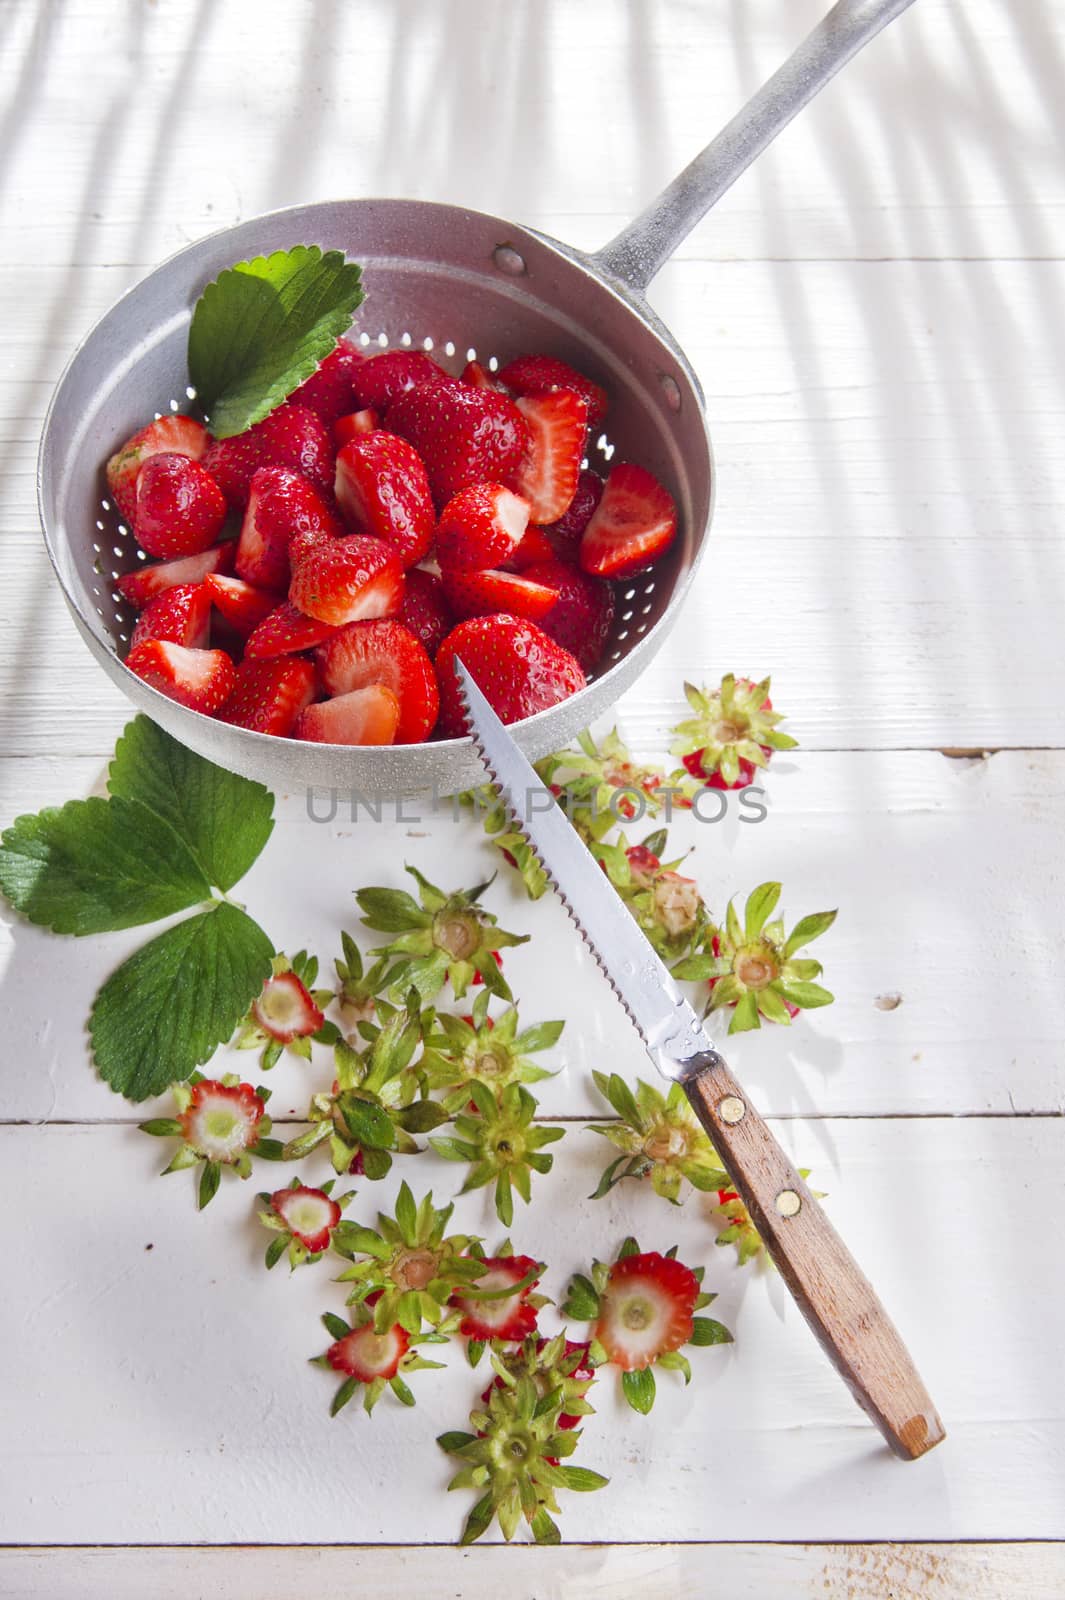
pixel 425 610
pixel 518 667
pixel 182 436
pixel 283 507
pixel 537 375
pixel 382 488
pixel 392 373
pixel 464 435
pixel 180 509
pixel 293 436
pixel 181 615
pixel 582 615
pixel 330 392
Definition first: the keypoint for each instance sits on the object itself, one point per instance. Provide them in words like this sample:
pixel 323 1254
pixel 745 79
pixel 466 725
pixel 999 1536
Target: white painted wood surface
pixel 876 315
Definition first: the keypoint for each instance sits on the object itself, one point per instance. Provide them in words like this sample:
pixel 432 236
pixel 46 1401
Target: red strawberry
pixel 464 435
pixel 366 1355
pixel 645 1309
pixel 145 582
pixel 481 527
pixel 565 534
pixel 510 1316
pixel 534 546
pixel 282 506
pixel 583 611
pixel 330 391
pixel 515 665
pixel 633 524
pixel 221 1120
pixel 240 603
pixel 180 509
pixel 283 632
pixel 479 594
pixel 310 1215
pixel 425 610
pixel 366 716
pixel 392 373
pixel 292 436
pixel 178 436
pixel 181 615
pixel 479 377
pixel 347 580
pixel 381 488
pixel 548 472
pixel 286 1010
pixel 199 679
pixel 269 695
pixel 546 374
pixel 384 652
pixel 354 425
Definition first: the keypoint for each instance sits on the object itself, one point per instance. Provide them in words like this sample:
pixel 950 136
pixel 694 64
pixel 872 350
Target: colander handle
pixel 640 249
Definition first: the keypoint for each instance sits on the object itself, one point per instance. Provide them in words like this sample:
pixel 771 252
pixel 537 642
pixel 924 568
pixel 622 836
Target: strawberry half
pixel 354 425
pixel 145 582
pixel 481 527
pixel 268 696
pixel 479 377
pixel 180 509
pixel 479 594
pixel 508 1317
pixel 583 612
pixel 200 679
pixel 181 615
pixel 425 610
pixel 382 488
pixel 565 534
pixel 366 716
pixel 463 435
pixel 179 436
pixel 366 1355
pixel 517 667
pixel 240 603
pixel 384 652
pixel 310 1215
pixel 330 391
pixel 634 523
pixel 536 375
pixel 346 580
pixel 550 467
pixel 286 1010
pixel 282 507
pixel 292 436
pixel 392 373
pixel 534 546
pixel 645 1310
pixel 283 632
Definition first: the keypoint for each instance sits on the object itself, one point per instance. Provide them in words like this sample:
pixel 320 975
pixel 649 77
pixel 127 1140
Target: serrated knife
pixel 829 1287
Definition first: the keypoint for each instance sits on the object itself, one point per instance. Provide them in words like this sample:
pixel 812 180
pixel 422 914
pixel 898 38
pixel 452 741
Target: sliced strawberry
pixel 509 1316
pixel 286 1009
pixel 645 1309
pixel 583 611
pixel 479 377
pixel 292 436
pixel 145 582
pixel 534 546
pixel 282 506
pixel 546 374
pixel 268 696
pixel 180 509
pixel 464 435
pixel 365 653
pixel 283 632
pixel 240 603
pixel 366 1355
pixel 200 679
pixel 310 1215
pixel 634 523
pixel 353 425
pixel 181 615
pixel 179 436
pixel 565 534
pixel 221 1120
pixel 517 667
pixel 425 610
pixel 382 488
pixel 330 391
pixel 347 580
pixel 550 467
pixel 366 716
pixel 479 594
pixel 392 373
pixel 481 527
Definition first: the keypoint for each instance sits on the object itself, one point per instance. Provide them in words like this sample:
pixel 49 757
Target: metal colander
pixel 459 284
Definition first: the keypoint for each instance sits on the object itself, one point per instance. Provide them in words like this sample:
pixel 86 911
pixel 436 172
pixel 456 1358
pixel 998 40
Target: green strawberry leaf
pixel 94 866
pixel 639 1389
pixel 368 1123
pixel 264 326
pixel 169 1006
pixel 225 820
pixel 705 1330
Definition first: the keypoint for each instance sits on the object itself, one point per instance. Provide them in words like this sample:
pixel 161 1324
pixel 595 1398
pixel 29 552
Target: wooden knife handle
pixel 829 1287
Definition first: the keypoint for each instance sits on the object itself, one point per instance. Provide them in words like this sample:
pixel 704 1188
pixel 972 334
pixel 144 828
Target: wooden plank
pixel 163 1393
pixel 1033 1571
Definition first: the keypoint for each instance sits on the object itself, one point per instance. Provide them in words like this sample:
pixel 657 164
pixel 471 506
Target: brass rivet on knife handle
pixel 829 1287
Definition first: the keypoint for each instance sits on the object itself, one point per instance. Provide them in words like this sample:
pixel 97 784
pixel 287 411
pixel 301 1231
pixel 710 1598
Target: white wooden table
pixel 878 316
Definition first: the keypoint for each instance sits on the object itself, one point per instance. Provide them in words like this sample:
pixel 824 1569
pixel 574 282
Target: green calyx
pixel 359 986
pixel 659 1138
pixel 250 1036
pixel 412 1260
pixel 284 1241
pixel 484 1050
pixel 552 1365
pixel 601 785
pixel 438 937
pixel 501 1143
pixel 667 905
pixel 223 1141
pixel 732 723
pixel 373 1388
pixel 736 1227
